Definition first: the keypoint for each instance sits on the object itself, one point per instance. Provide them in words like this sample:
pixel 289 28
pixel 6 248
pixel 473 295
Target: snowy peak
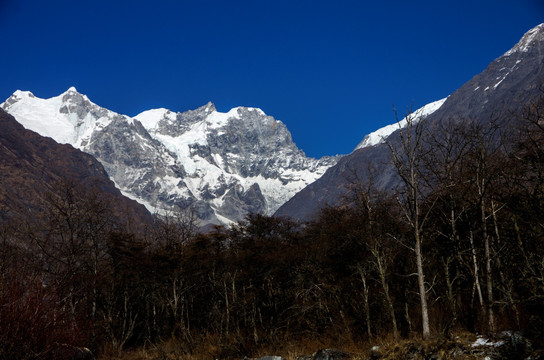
pixel 506 80
pixel 71 89
pixel 69 118
pixel 199 113
pixel 72 95
pixel 531 38
pixel 17 96
pixel 208 108
pixel 151 118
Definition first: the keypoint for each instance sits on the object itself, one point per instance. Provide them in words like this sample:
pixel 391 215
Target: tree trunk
pixel 422 291
pixel 366 302
pixel 489 274
pixel 385 286
pixel 476 274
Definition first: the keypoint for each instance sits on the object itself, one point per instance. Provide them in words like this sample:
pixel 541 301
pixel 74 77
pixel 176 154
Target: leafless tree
pixel 406 155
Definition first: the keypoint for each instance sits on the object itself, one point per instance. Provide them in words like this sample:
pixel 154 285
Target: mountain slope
pixel 219 165
pixel 380 135
pixel 506 84
pixel 31 166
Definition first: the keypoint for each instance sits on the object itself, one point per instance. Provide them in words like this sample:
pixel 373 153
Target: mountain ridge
pixel 219 165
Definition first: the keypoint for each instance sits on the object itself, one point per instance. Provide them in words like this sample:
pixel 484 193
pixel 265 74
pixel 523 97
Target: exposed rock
pixel 330 354
pixel 69 352
pixel 513 347
pixel 82 354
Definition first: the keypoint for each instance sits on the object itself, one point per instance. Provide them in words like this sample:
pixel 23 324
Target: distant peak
pixel 537 29
pixel 73 95
pixel 209 107
pixel 21 93
pixel 71 89
pixel 532 36
pixel 17 96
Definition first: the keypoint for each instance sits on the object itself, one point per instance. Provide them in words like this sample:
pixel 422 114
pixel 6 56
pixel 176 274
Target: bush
pixel 33 326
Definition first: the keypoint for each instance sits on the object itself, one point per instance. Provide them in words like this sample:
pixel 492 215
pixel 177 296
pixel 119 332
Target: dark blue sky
pixel 330 70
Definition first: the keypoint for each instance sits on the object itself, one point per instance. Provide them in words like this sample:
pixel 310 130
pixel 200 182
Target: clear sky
pixel 330 70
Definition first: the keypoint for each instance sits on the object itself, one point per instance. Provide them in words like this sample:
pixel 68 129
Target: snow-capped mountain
pixel 219 165
pixel 508 84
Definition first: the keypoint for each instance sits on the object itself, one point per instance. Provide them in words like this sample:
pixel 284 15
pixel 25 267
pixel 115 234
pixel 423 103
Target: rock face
pixel 32 165
pixel 219 165
pixel 507 83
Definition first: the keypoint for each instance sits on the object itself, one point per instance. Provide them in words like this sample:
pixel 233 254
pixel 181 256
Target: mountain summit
pixel 533 37
pixel 219 165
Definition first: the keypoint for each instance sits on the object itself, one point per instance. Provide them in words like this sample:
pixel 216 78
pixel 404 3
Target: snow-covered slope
pixel 219 165
pixel 380 135
pixel 70 117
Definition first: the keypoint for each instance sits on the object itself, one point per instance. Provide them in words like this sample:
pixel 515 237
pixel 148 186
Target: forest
pixel 456 246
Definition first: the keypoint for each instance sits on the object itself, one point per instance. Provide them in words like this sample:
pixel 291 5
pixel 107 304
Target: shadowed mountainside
pixel 32 166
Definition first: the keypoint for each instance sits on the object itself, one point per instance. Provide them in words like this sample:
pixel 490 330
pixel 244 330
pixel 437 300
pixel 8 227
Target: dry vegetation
pixel 471 205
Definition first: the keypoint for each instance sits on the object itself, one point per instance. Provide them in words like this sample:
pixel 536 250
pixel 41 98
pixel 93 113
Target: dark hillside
pixel 32 166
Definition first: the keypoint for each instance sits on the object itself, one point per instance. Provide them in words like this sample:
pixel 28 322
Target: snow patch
pixel 483 341
pixel 151 118
pixel 218 119
pixel 497 84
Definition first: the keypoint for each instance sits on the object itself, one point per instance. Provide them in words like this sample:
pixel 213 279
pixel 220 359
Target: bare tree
pixel 444 167
pixel 70 237
pixel 406 155
pixel 485 163
pixel 370 203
